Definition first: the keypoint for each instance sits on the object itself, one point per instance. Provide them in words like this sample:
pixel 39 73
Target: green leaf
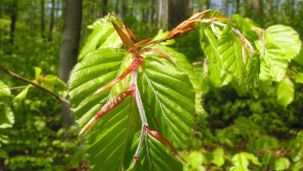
pixel 169 98
pixel 282 163
pixel 109 141
pixel 299 77
pixel 194 161
pixel 285 38
pixel 102 36
pixel 37 73
pixel 253 70
pixel 6 116
pixel 157 158
pixel 230 48
pixel 53 83
pixel 210 45
pixel 285 94
pixel 110 144
pixel 182 63
pixel 218 157
pixel 281 44
pixel 4 91
pixel 297 166
pixel 246 26
pixel 241 161
pixel 22 95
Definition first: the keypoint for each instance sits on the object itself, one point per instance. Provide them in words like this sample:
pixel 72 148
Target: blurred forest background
pixel 40 41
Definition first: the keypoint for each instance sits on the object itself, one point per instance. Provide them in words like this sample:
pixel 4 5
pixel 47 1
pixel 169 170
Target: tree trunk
pixel 1 8
pixel 51 24
pixel 124 8
pixel 237 6
pixel 104 9
pixel 178 10
pixel 13 22
pixel 42 19
pixel 69 48
pixel 163 14
pixel 208 4
pixel 117 7
pixel 257 6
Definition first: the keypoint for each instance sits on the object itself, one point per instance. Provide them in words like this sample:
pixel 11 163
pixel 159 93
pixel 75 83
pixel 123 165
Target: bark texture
pixel 70 48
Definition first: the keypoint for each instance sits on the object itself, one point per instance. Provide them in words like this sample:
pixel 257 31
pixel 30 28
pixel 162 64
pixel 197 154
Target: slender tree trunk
pixel 42 18
pixel 1 8
pixel 117 6
pixel 178 10
pixel 124 7
pixel 51 24
pixel 104 9
pixel 163 14
pixel 237 6
pixel 13 21
pixel 69 48
pixel 153 12
pixel 257 6
pixel 207 4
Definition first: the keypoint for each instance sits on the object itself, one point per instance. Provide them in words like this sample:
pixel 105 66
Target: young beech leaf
pixel 168 99
pixel 285 94
pixel 103 36
pixel 280 45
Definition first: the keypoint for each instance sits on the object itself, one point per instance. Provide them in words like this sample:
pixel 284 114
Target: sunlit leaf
pixel 103 36
pixel 253 70
pixel 285 94
pixel 299 77
pixel 6 116
pixel 4 91
pixel 37 73
pixel 22 95
pixel 242 160
pixel 194 160
pixel 210 45
pixel 218 157
pixel 281 44
pixel 110 143
pixel 282 163
pixel 285 38
pixel 230 49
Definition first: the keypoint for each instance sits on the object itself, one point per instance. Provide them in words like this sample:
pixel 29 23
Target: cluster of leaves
pixel 31 136
pixel 255 125
pixel 237 52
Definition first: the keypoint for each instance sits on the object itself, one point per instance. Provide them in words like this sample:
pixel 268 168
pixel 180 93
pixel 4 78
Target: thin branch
pixel 19 77
pixel 17 87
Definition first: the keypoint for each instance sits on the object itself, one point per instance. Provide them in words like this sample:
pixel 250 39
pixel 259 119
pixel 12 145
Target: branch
pixel 19 77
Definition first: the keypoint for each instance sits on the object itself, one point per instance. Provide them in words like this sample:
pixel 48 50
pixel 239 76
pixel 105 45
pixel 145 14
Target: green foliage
pixel 163 93
pixel 103 36
pixel 171 94
pixel 252 99
pixel 285 92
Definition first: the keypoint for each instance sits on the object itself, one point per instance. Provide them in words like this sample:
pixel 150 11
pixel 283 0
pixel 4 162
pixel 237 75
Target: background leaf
pixel 4 91
pixel 282 164
pixel 285 94
pixel 6 116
